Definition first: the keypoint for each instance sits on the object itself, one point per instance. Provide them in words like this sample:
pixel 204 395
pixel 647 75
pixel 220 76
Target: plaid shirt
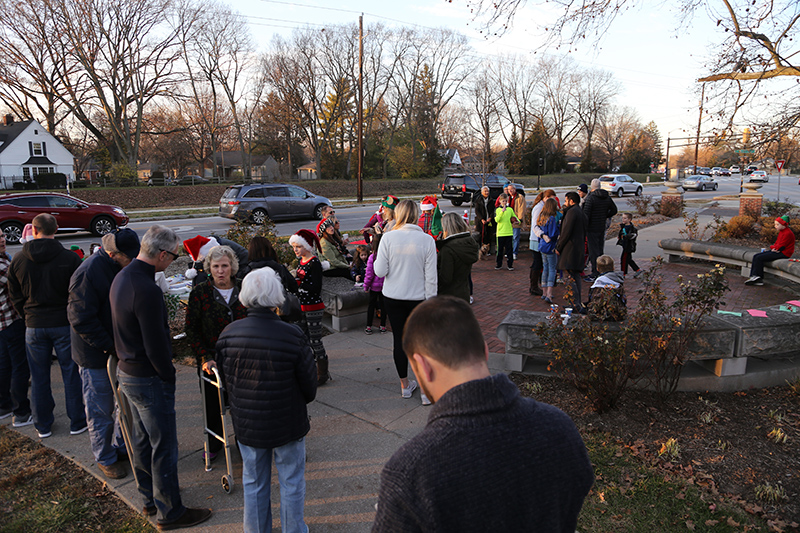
pixel 8 315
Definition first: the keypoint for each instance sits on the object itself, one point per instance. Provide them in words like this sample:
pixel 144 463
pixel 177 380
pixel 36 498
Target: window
pixel 31 201
pixel 60 201
pixel 255 193
pixel 26 173
pixel 297 192
pixel 37 149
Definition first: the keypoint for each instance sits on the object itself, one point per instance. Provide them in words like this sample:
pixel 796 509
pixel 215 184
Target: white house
pixel 27 149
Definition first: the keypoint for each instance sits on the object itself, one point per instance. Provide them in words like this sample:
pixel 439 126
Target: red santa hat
pixel 197 248
pixel 428 203
pixel 307 239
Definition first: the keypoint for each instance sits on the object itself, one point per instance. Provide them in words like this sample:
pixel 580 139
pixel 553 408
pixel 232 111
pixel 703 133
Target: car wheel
pixel 639 191
pixel 620 192
pixel 12 231
pixel 702 188
pixel 318 211
pixel 456 202
pixel 715 186
pixel 259 216
pixel 103 225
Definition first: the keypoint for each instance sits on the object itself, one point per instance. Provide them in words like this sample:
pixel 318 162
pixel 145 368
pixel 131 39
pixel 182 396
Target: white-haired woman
pixel 269 371
pixel 213 304
pixel 407 261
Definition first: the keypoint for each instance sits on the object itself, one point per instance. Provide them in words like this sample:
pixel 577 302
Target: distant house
pixel 145 170
pixel 307 172
pixel 27 149
pixel 452 161
pixel 234 163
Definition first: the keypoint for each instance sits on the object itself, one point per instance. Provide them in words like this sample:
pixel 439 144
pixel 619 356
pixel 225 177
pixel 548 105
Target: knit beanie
pixel 783 220
pixel 323 225
pixel 197 248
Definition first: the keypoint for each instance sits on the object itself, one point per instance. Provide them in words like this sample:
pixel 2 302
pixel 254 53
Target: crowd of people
pixel 259 326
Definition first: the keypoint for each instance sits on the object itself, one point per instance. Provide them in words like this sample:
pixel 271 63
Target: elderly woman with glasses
pixel 213 304
pixel 270 375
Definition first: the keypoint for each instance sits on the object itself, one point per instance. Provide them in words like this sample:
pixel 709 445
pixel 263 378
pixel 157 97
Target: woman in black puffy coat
pixel 270 375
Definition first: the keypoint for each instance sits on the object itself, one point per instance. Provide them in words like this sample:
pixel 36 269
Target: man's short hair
pixel 595 184
pixel 605 263
pixel 158 238
pixel 262 288
pixel 445 329
pixel 45 224
pixel 572 195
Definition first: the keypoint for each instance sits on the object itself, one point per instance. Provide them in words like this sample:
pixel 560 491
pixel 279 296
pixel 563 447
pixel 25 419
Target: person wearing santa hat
pixel 782 249
pixel 198 248
pixel 309 288
pixel 431 218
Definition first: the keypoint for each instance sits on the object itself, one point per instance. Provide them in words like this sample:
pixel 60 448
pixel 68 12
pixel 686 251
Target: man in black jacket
pixel 570 245
pixel 89 313
pixel 147 377
pixel 598 207
pixel 484 218
pixel 38 282
pixel 488 459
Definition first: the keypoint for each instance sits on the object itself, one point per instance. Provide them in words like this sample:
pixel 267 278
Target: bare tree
pixel 518 102
pixel 484 123
pixel 558 83
pixel 592 93
pixel 615 126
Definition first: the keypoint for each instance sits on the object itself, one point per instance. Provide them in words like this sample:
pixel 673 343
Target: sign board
pixel 745 151
pixel 779 164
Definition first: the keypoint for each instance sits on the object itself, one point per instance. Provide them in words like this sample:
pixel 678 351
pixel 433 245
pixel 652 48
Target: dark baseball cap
pixel 583 188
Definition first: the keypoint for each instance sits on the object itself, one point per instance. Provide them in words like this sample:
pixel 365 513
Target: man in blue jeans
pixel 147 378
pixel 89 313
pixel 14 372
pixel 38 282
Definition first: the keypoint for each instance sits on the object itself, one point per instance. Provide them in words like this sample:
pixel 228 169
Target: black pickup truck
pixel 461 188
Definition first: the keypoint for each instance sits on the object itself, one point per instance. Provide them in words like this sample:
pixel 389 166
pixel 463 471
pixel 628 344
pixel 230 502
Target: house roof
pixel 233 158
pixel 38 160
pixel 11 132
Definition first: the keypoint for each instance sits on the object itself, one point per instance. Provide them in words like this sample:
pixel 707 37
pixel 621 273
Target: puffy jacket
pixel 598 207
pixel 457 254
pixel 89 310
pixel 270 376
pixel 371 281
pixel 38 282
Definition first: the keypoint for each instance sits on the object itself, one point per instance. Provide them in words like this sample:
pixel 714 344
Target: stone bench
pixel 345 305
pixel 735 352
pixel 728 254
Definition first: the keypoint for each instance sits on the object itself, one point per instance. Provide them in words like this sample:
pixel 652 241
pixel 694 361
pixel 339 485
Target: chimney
pixel 9 119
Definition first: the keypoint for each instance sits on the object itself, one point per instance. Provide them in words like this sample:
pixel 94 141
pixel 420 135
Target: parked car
pixel 735 169
pixel 460 188
pixel 759 175
pixel 619 184
pixel 190 180
pixel 698 182
pixel 72 214
pixel 276 201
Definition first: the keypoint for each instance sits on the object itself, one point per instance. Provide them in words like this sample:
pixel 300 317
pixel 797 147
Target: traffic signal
pixel 746 136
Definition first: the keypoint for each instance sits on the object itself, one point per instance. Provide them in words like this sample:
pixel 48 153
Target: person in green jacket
pixel 505 219
pixel 329 251
pixel 458 251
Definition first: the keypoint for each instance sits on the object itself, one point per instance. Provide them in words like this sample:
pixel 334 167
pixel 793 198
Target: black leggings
pixel 505 246
pixel 398 311
pixel 376 302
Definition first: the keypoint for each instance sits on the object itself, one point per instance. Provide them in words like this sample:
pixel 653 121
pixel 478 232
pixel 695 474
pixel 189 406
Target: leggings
pixel 505 245
pixel 398 311
pixel 313 327
pixel 376 302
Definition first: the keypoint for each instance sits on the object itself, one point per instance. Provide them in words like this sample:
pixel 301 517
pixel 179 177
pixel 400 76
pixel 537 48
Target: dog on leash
pixel 484 253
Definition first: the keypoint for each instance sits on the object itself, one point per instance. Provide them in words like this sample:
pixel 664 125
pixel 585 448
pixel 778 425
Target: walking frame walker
pixel 226 438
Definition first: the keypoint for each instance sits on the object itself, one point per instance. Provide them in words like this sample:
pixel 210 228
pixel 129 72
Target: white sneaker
pixel 471 300
pixel 407 392
pixel 754 280
pixel 425 400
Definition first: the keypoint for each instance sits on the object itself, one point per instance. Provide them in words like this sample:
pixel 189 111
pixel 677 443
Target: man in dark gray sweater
pixel 488 459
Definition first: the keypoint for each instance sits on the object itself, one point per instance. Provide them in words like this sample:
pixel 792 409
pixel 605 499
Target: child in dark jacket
pixel 359 265
pixel 374 285
pixel 627 239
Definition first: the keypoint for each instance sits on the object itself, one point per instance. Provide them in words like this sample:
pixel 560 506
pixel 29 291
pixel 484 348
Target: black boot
pixel 322 371
pixel 536 275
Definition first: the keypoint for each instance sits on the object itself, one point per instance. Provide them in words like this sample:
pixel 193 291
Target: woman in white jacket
pixel 407 261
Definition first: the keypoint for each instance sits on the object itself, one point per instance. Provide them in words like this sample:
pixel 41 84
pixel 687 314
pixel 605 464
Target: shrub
pixel 693 231
pixel 775 208
pixel 736 228
pixel 642 204
pixel 55 180
pixel 122 174
pixel 668 210
pixel 242 232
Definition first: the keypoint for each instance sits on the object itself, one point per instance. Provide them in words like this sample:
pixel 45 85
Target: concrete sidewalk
pixel 357 422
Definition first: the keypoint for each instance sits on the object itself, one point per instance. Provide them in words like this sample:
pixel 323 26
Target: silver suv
pixel 276 201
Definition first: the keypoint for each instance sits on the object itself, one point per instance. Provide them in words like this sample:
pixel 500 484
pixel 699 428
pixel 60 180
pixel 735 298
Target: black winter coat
pixel 38 282
pixel 89 310
pixel 570 245
pixel 598 207
pixel 270 376
pixel 457 254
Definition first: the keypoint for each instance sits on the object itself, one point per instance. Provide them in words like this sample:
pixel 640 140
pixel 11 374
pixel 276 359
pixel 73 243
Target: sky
pixel 656 60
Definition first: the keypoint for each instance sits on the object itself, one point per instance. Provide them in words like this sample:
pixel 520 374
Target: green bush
pixel 122 174
pixel 242 233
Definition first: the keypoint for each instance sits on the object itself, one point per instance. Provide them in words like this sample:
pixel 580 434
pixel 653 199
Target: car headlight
pixel 119 211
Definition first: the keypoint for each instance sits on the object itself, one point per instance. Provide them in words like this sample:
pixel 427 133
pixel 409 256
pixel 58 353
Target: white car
pixel 759 175
pixel 735 169
pixel 619 184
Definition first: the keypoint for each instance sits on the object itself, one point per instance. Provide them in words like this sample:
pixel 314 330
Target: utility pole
pixel 699 122
pixel 360 170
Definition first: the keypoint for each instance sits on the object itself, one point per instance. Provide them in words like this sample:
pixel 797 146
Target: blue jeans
pixel 515 237
pixel 105 435
pixel 154 452
pixel 39 344
pixel 549 270
pixel 763 257
pixel 14 371
pixel 290 461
